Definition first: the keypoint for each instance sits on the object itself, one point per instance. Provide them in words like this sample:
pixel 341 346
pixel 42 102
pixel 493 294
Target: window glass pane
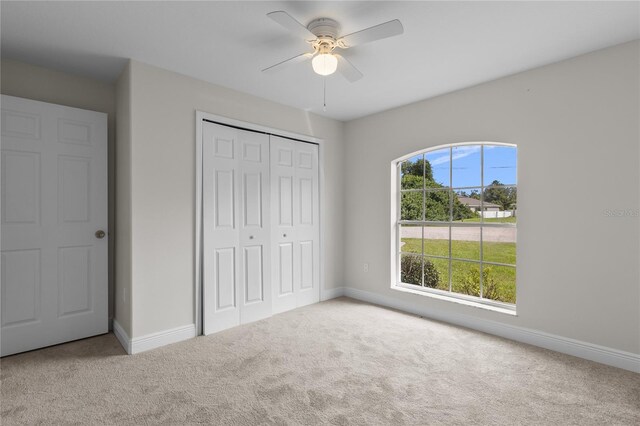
pixel 466 166
pixel 466 205
pixel 499 245
pixel 465 242
pixel 436 240
pixel 465 278
pixel 499 165
pixel 411 239
pixel 499 283
pixel 437 207
pixel 437 168
pixel 411 172
pixel 500 204
pixel 436 273
pixel 411 269
pixel 468 195
pixel 411 205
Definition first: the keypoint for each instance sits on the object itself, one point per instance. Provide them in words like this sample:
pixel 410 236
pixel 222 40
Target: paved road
pixel 501 235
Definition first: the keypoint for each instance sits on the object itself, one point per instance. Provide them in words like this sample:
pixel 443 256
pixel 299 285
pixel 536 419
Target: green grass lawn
pixel 500 280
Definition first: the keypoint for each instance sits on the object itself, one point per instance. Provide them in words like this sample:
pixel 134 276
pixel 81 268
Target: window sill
pixel 436 295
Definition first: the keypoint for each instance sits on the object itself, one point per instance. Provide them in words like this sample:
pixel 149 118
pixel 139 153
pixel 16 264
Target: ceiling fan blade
pixel 388 29
pixel 296 59
pixel 347 69
pixel 284 19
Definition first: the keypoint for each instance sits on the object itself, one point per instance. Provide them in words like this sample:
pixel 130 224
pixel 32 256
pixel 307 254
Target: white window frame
pixel 396 223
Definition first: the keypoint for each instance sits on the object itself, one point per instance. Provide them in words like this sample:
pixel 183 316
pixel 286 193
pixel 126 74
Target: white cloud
pixel 458 152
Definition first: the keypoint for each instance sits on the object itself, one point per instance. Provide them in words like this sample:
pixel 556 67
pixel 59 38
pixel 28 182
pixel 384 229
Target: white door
pixel 295 223
pixel 236 227
pixel 54 205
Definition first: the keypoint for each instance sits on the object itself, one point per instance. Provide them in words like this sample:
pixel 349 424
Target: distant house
pixel 474 205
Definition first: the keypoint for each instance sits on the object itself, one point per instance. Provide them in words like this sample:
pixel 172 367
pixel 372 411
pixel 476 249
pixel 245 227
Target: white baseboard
pixel 154 340
pixel 332 293
pixel 616 358
pixel 122 336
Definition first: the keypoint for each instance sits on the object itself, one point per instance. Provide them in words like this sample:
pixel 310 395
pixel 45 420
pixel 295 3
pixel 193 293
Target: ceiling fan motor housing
pixel 324 27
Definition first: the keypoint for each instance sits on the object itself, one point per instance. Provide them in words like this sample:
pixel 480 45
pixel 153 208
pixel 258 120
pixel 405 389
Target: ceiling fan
pixel 322 35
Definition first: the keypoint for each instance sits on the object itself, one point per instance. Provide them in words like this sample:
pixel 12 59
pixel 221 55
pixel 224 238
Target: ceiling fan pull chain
pixel 324 87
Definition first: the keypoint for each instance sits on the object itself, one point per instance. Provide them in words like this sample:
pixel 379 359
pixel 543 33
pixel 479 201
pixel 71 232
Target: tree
pixel 503 196
pixel 461 211
pixel 416 169
pixel 436 203
pixel 411 206
pixel 410 181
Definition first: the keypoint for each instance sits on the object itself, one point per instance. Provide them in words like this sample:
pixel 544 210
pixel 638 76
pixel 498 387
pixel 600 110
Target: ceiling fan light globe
pixel 325 64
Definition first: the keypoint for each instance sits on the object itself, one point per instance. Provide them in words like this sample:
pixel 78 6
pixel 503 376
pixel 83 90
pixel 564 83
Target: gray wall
pixel 162 177
pixel 576 126
pixel 42 84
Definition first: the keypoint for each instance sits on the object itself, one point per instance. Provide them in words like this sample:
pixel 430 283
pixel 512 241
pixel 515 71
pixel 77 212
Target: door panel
pixel 252 152
pixel 306 201
pixel 255 232
pixel 19 123
pixel 296 276
pixel 220 233
pixel 285 209
pixel 283 231
pixel 285 269
pixel 306 223
pixel 306 264
pixel 253 200
pixel 74 270
pixel 54 199
pixel 21 187
pixel 236 286
pixel 253 277
pixel 225 279
pixel 21 289
pixel 225 205
pixel 285 153
pixel 74 188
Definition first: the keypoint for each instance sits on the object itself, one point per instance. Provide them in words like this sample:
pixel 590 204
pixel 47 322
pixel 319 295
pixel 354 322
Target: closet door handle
pixel 284 235
pixel 251 237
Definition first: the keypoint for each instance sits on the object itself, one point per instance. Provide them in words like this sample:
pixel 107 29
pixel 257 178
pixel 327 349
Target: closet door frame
pixel 202 117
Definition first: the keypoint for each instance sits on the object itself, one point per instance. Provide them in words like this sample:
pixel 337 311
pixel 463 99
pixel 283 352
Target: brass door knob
pixel 100 234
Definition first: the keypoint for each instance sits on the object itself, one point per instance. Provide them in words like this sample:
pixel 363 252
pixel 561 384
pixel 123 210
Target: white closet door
pixel 54 201
pixel 236 266
pixel 255 226
pixel 306 214
pixel 295 224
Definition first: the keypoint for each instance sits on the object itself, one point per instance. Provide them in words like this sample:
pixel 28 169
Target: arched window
pixel 455 224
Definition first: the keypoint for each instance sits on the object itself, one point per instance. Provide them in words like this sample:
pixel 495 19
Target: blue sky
pixel 499 164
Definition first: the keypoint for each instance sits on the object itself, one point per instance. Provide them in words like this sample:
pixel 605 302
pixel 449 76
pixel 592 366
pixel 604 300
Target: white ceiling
pixel 446 45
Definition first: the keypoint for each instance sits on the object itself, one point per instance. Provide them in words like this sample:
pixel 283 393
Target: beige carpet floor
pixel 339 362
